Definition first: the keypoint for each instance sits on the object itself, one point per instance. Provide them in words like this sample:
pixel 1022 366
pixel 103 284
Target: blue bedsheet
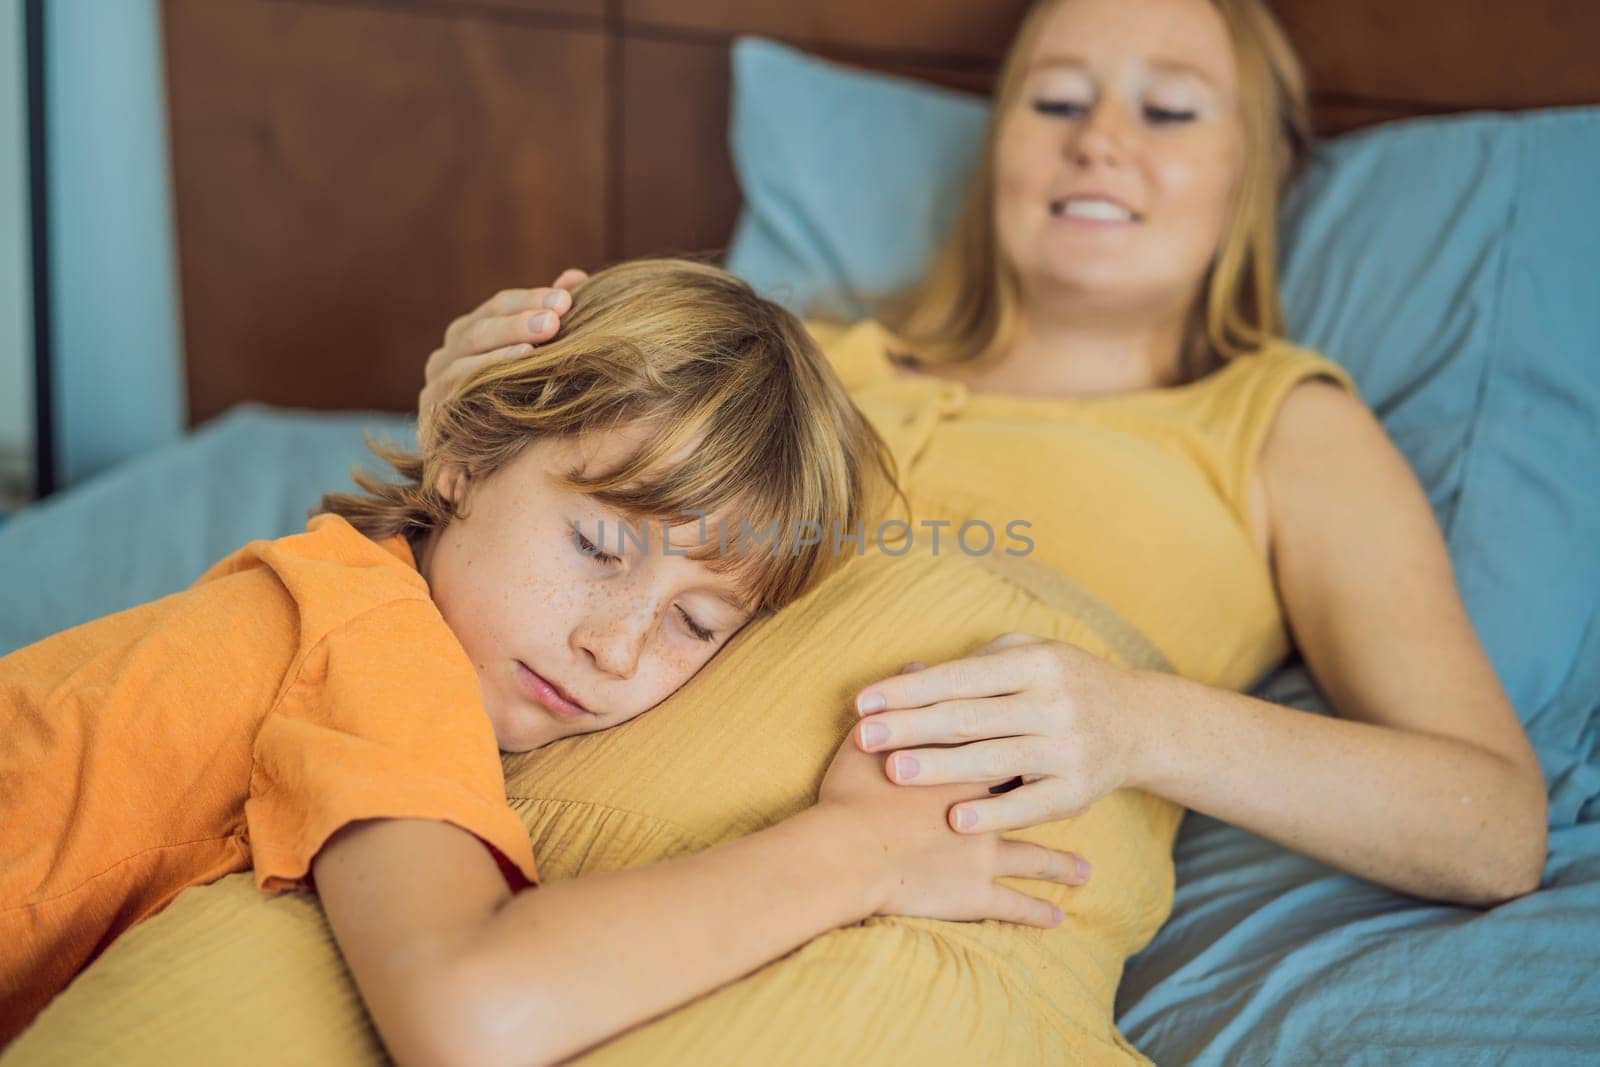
pixel 1268 957
pixel 153 525
pixel 1450 266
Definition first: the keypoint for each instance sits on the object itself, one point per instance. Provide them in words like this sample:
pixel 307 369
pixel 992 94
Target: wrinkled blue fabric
pixel 152 525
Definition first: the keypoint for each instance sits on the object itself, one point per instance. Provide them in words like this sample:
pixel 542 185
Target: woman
pixel 1113 274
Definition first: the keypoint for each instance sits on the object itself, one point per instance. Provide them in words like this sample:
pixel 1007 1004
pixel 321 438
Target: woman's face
pixel 1116 164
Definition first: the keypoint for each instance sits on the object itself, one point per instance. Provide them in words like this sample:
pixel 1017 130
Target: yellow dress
pixel 1141 497
pixel 1142 555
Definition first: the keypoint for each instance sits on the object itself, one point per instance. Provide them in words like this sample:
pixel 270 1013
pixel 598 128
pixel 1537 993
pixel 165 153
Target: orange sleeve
pixel 382 719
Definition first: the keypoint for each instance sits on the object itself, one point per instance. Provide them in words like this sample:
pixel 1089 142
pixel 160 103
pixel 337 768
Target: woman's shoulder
pixel 1251 391
pixel 1283 359
pixel 1252 385
pixel 1235 405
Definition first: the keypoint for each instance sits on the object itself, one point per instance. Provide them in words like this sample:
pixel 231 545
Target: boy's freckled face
pixel 548 623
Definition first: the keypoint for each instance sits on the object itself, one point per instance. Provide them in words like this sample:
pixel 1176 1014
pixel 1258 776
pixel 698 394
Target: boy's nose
pixel 616 644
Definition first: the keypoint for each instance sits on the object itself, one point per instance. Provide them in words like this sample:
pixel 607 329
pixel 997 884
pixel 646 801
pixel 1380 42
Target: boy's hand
pixel 506 325
pixel 928 869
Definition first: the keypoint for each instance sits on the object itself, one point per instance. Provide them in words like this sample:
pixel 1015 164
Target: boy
pixel 374 666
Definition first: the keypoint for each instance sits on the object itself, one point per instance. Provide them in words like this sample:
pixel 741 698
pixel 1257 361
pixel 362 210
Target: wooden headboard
pixel 351 174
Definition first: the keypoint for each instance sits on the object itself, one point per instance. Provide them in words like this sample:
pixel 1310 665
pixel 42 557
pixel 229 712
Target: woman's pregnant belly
pixel 746 743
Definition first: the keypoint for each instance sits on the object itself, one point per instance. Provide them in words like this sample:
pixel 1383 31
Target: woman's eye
pixel 1164 115
pixel 589 548
pixel 1060 109
pixel 700 632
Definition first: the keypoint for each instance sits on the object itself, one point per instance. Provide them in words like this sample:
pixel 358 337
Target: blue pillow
pixel 1450 264
pixel 850 178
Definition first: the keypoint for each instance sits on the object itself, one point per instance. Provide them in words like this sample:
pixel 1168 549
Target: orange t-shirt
pixel 299 685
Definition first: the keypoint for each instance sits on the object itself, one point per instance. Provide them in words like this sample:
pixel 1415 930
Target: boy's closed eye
pixel 590 549
pixel 606 559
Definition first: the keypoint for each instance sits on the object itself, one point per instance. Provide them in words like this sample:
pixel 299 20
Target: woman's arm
pixel 1435 816
pixel 454 969
pixel 1428 784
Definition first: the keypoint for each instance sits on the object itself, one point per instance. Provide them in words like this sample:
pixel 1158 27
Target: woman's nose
pixel 1102 138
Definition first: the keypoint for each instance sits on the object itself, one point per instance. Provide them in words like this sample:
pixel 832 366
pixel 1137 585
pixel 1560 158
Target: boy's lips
pixel 548 695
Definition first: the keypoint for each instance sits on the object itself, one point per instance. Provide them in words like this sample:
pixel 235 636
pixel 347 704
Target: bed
pixel 1448 260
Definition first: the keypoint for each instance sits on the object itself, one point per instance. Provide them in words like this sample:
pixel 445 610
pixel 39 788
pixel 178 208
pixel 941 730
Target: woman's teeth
pixel 1091 208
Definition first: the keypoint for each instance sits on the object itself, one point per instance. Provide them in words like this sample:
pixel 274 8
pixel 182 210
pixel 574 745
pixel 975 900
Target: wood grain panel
pixel 1448 57
pixel 981 28
pixel 679 193
pixel 590 9
pixel 349 179
pixel 1408 56
pixel 975 77
pixel 1340 115
pixel 351 174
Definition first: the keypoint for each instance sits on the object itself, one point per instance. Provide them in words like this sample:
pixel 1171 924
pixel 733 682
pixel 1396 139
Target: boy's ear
pixel 453 482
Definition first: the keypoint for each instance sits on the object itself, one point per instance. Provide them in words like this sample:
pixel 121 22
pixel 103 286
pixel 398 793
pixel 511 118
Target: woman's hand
pixel 926 869
pixel 506 325
pixel 1062 720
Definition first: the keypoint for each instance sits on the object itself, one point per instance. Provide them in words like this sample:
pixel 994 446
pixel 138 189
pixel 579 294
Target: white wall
pixel 16 295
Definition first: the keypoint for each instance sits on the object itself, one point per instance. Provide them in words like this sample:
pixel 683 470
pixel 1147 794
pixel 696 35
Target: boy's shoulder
pixel 333 571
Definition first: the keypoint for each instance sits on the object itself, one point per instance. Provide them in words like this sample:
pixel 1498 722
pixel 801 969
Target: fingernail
pixel 1057 913
pixel 910 668
pixel 966 818
pixel 874 733
pixel 541 322
pixel 1084 869
pixel 870 702
pixel 906 767
pixel 554 299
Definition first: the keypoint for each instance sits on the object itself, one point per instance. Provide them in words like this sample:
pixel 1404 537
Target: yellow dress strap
pixel 1238 414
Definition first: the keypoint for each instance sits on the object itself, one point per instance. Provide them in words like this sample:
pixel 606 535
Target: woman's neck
pixel 1067 356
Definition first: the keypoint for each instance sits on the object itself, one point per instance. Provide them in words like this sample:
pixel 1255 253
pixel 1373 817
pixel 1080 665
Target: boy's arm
pixel 454 969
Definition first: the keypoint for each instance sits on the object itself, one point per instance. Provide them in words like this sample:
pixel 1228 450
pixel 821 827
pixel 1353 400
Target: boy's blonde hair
pixel 739 416
pixel 966 304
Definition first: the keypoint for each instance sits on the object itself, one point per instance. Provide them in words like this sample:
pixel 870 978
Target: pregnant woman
pixel 1097 350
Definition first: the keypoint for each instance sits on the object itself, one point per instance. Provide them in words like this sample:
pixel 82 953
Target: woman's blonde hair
pixel 966 304
pixel 742 419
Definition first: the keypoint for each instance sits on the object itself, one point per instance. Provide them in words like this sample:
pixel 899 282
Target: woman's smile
pixel 1094 209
